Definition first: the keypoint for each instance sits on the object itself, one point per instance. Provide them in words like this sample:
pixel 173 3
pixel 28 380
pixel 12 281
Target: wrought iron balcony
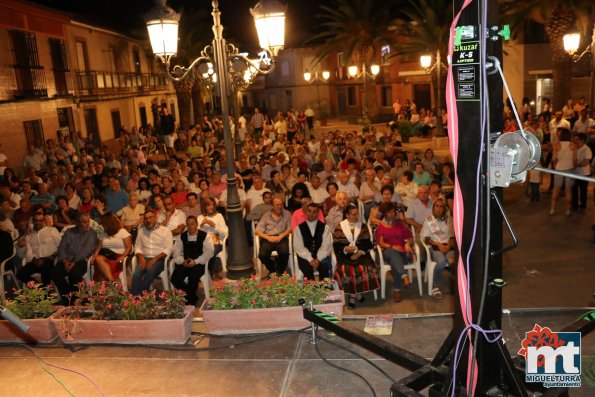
pixel 106 83
pixel 30 82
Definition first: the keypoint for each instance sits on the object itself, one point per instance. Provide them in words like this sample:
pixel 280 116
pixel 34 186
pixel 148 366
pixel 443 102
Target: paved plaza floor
pixel 550 281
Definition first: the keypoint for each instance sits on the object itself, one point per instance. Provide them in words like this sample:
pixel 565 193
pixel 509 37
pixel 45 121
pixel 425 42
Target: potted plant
pixel 35 305
pixel 249 306
pixel 105 313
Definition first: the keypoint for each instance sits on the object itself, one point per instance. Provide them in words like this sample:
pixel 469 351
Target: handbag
pixel 108 253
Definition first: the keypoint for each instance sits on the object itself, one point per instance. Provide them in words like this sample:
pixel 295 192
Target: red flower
pixel 253 301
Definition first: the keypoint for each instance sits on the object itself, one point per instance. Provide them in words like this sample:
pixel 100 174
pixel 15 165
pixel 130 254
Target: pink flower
pixel 125 304
pixel 253 301
pixel 92 283
pixel 31 284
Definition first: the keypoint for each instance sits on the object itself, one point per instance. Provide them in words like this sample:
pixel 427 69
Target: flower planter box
pixel 243 321
pixel 147 332
pixel 41 330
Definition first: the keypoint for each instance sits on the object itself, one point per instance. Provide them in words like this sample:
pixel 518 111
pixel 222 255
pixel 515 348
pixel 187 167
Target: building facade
pixel 60 75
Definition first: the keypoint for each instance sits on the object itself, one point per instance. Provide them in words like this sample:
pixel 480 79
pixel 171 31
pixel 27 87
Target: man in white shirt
pixel 317 192
pixel 13 199
pixel 583 167
pixel 557 122
pixel 173 218
pixel 191 258
pixel 254 195
pixel 348 187
pixel 327 174
pixel 420 208
pixel 584 123
pixel 153 244
pixel 42 245
pixel 312 243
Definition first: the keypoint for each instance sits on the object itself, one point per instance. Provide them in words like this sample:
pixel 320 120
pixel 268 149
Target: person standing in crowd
pixel 583 168
pixel 565 159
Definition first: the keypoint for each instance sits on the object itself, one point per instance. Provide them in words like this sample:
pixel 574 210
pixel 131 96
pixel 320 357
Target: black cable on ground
pixel 383 372
pixel 186 347
pixel 345 370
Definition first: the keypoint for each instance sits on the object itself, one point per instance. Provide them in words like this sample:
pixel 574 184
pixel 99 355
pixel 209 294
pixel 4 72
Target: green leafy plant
pixel 35 301
pixel 283 291
pixel 109 301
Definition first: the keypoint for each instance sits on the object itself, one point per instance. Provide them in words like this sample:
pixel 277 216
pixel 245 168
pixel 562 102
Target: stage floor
pixel 264 366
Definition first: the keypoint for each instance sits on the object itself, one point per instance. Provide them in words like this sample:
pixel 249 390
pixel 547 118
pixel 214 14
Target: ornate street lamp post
pixel 426 63
pixel 322 77
pixel 572 43
pixel 355 73
pixel 223 66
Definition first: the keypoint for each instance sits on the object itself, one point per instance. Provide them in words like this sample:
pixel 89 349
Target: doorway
pixel 116 123
pixel 143 116
pixel 341 103
pixel 422 96
pixel 91 124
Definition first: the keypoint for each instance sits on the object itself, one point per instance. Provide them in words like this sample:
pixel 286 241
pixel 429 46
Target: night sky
pixel 126 16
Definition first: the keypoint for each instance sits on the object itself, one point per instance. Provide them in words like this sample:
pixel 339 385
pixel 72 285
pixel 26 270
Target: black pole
pixel 482 216
pixel 239 259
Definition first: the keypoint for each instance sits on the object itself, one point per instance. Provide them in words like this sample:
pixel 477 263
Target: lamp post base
pixel 238 274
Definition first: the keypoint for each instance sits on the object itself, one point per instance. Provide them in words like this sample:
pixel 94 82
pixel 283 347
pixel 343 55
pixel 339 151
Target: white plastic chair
pixel 122 277
pixel 7 273
pixel 297 272
pixel 164 275
pixel 384 268
pixel 430 268
pixel 259 265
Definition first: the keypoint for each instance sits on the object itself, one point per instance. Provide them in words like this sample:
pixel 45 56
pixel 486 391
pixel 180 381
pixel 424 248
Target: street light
pixel 572 43
pixel 355 73
pixel 426 63
pixel 222 65
pixel 323 77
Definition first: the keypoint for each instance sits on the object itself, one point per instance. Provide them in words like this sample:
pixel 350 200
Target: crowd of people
pixel 336 199
pixel 567 138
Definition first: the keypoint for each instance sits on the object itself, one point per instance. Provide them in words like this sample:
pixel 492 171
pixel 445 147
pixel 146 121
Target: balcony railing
pixel 104 83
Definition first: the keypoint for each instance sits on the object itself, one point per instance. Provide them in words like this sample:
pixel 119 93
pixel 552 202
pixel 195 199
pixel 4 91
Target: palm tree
pixel 359 29
pixel 558 17
pixel 423 27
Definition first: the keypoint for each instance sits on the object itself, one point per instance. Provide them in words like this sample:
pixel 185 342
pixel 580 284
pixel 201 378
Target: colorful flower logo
pixel 538 337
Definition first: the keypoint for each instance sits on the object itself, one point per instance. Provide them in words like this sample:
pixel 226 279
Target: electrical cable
pixel 186 347
pixel 383 372
pixel 485 128
pixel 345 370
pixel 41 360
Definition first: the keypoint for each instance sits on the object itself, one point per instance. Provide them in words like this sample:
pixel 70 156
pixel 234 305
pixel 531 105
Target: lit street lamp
pixel 426 63
pixel 572 43
pixel 222 65
pixel 355 73
pixel 323 77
